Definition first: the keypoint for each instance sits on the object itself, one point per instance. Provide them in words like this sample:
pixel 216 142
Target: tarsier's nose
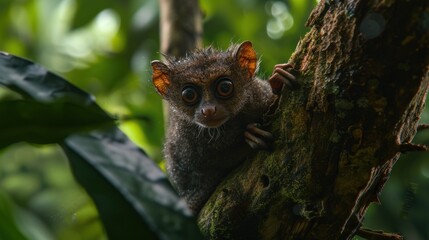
pixel 208 111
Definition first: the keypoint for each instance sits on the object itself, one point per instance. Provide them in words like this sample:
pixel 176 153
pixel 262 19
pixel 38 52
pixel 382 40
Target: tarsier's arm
pixel 256 137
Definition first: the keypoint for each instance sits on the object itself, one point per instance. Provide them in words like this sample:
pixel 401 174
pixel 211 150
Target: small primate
pixel 216 105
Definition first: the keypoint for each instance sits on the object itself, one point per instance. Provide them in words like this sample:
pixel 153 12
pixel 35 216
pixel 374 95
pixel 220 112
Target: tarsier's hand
pixel 282 76
pixel 256 137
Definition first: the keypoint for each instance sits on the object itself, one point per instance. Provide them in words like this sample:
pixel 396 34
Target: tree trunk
pixel 181 31
pixel 364 79
pixel 181 26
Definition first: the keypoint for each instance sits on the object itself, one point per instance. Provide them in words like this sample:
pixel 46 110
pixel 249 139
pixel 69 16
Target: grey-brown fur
pixel 198 158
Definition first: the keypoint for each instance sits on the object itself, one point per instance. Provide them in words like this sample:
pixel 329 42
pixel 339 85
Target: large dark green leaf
pixel 42 123
pixel 35 82
pixel 130 188
pixel 133 196
pixel 54 108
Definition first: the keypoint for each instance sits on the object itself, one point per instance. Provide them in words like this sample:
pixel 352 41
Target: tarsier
pixel 216 105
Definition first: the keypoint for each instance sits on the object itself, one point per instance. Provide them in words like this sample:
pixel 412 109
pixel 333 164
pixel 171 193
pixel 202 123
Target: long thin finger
pixel 279 80
pixel 254 128
pixel 285 73
pixel 251 144
pixel 283 65
pixel 255 140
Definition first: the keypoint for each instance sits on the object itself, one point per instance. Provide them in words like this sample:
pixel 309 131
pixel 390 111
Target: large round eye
pixel 224 88
pixel 190 95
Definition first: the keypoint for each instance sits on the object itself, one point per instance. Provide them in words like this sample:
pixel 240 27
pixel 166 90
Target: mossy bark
pixel 364 78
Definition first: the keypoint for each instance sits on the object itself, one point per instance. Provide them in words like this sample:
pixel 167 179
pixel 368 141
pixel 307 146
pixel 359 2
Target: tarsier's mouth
pixel 212 123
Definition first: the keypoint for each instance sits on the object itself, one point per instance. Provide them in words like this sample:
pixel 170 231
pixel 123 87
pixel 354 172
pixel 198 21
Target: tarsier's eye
pixel 224 88
pixel 190 95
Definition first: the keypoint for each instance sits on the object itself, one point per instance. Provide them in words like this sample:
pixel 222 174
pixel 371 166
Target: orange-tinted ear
pixel 246 58
pixel 160 77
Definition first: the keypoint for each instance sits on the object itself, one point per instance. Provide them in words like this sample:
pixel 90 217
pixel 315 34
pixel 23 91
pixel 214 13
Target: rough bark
pixel 364 76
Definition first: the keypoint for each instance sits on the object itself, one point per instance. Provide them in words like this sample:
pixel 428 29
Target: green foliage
pixel 44 123
pixel 274 27
pixel 8 227
pixel 105 48
pixel 44 120
pixel 123 182
pixel 133 196
pixel 46 202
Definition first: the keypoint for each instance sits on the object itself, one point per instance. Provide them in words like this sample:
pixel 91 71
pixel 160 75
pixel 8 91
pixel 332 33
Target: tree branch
pixel 412 147
pixel 378 235
pixel 421 127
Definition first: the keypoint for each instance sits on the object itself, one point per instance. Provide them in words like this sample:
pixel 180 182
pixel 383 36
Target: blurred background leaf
pixel 105 48
pixel 8 226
